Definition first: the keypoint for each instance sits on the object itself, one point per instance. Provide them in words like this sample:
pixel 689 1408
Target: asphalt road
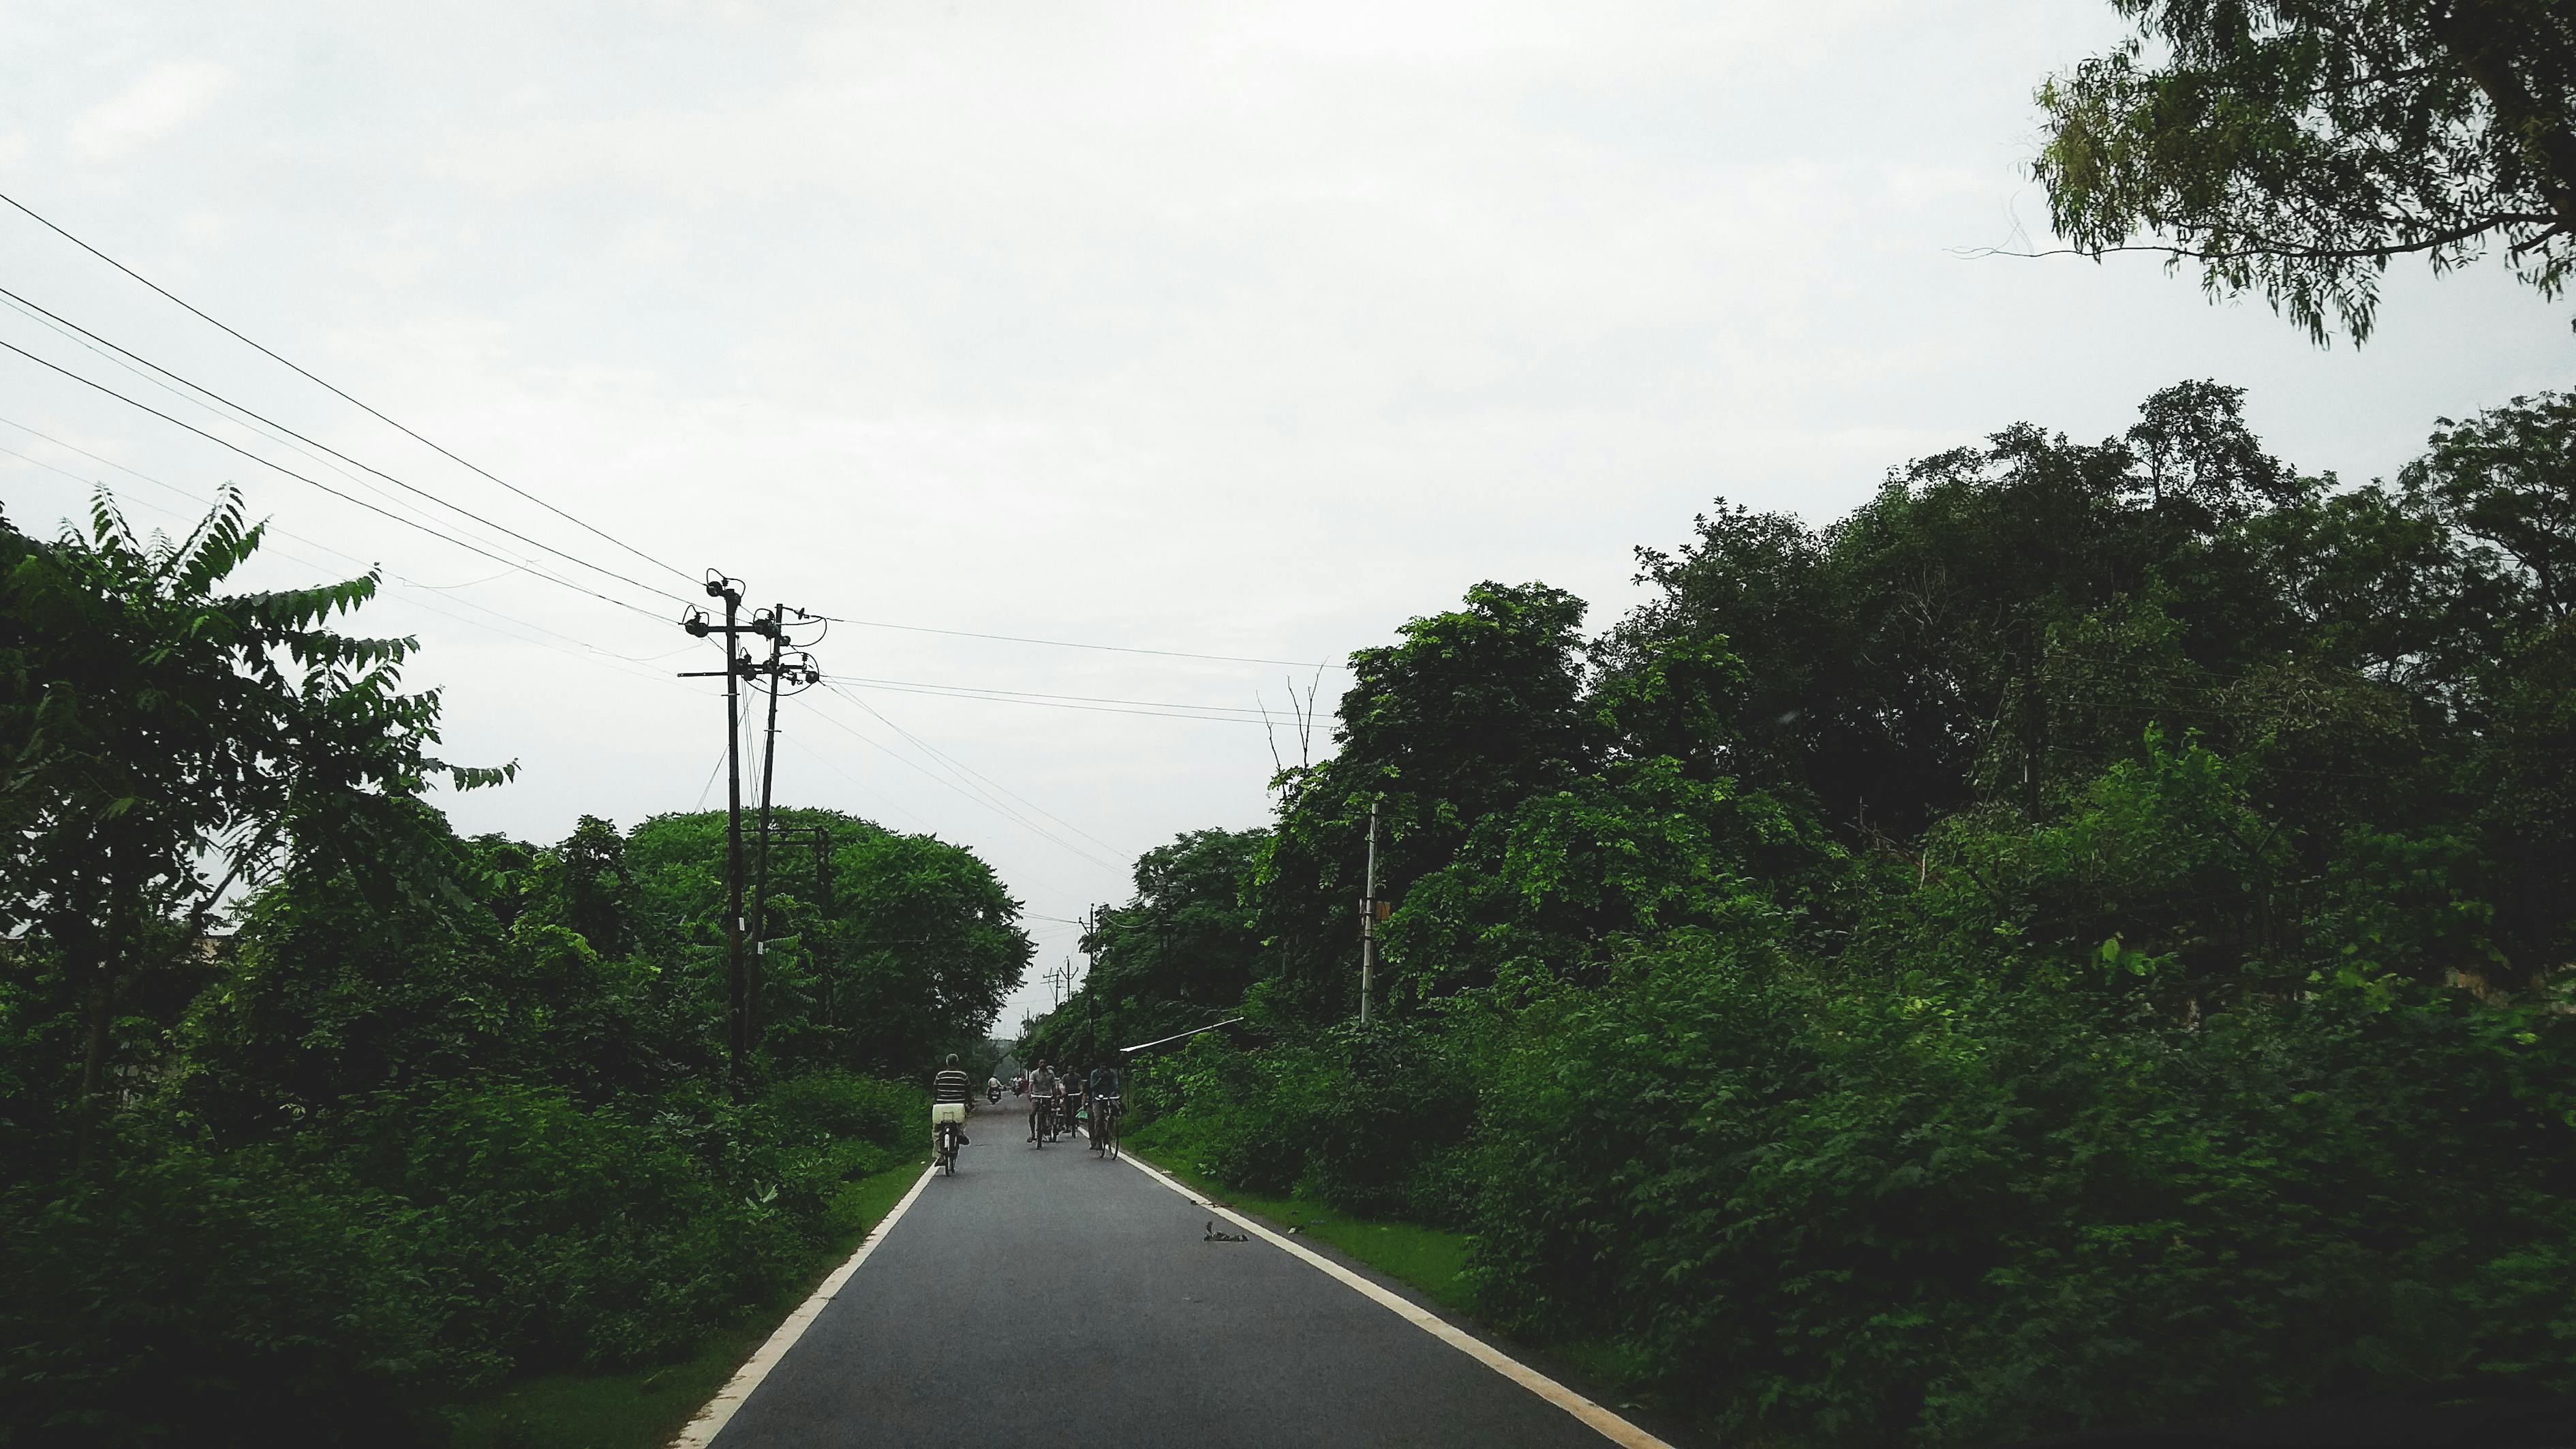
pixel 1043 1296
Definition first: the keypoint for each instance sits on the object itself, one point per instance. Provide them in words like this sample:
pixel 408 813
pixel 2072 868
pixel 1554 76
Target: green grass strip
pixel 1432 1261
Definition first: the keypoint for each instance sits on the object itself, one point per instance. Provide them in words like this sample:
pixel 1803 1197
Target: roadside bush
pixel 563 1236
pixel 1875 1211
pixel 840 1105
pixel 214 1299
pixel 1371 1119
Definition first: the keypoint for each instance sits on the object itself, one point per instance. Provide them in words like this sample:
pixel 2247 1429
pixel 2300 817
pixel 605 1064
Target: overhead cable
pixel 1045 703
pixel 1022 821
pixel 1070 644
pixel 325 487
pixel 336 392
pixel 977 691
pixel 964 770
pixel 996 784
pixel 247 412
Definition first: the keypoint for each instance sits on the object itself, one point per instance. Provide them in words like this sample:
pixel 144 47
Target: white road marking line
pixel 720 1410
pixel 1600 1420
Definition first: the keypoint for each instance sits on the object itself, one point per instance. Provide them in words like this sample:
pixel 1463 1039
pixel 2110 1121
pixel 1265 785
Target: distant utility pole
pixel 738 666
pixel 1368 920
pixel 820 837
pixel 1090 996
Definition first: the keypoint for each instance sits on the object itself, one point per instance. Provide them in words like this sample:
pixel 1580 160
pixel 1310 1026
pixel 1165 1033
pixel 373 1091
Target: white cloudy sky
pixel 1246 329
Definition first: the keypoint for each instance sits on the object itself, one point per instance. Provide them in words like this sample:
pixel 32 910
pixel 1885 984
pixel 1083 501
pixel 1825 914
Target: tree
pixel 1473 710
pixel 593 864
pixel 912 959
pixel 2299 146
pixel 2506 481
pixel 1180 953
pixel 165 740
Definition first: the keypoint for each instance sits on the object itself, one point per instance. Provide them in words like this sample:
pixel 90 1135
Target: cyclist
pixel 1104 1100
pixel 1072 1097
pixel 1042 1086
pixel 948 1090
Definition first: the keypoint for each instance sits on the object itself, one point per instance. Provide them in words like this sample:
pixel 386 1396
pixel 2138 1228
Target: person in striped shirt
pixel 950 1085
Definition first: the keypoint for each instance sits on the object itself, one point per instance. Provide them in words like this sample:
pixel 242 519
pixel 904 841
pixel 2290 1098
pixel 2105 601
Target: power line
pixel 590 653
pixel 989 780
pixel 1020 820
pixel 1166 709
pixel 956 764
pixel 316 483
pixel 442 590
pixel 334 452
pixel 327 387
pixel 1050 704
pixel 826 762
pixel 1069 644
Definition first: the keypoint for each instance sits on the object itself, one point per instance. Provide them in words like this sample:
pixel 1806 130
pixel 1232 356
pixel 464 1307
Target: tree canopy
pixel 2297 147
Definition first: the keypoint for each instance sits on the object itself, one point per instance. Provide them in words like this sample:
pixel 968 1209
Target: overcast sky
pixel 1242 329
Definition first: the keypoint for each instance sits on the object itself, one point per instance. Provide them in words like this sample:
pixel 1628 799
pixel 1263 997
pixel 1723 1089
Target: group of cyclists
pixel 1056 1102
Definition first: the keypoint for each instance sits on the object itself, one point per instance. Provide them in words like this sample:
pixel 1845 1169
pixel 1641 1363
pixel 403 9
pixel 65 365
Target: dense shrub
pixel 338 1288
pixel 206 1298
pixel 1373 1119
pixel 1873 1212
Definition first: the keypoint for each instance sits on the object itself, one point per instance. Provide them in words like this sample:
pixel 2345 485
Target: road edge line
pixel 711 1420
pixel 1600 1420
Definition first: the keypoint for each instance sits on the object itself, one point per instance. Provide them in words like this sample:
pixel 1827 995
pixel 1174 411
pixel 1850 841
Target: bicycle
pixel 950 1135
pixel 1105 1112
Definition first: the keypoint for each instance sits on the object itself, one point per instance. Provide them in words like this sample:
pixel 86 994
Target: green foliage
pixel 440 1112
pixel 2298 146
pixel 1179 955
pixel 213 1298
pixel 1371 1119
pixel 346 1281
pixel 1955 1211
pixel 153 727
pixel 890 953
pixel 2078 941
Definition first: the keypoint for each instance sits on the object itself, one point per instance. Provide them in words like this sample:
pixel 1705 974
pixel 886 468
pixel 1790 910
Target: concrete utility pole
pixel 737 666
pixel 1368 921
pixel 1091 997
pixel 760 883
pixel 820 837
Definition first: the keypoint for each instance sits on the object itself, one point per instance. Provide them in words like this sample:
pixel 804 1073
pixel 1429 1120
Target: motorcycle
pixel 993 1091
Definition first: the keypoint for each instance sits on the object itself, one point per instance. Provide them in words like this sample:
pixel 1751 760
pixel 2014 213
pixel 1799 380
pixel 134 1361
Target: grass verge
pixel 643 1408
pixel 1432 1261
